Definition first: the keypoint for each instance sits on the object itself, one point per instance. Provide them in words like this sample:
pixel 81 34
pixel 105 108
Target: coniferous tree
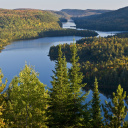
pixel 76 85
pixel 27 100
pixel 59 95
pixel 96 111
pixel 118 110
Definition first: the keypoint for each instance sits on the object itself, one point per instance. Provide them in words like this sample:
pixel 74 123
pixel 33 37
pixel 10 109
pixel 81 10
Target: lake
pixel 35 52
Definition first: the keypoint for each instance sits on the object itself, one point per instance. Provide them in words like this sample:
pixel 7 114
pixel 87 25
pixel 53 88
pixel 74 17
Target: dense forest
pixel 25 24
pixel 104 58
pixel 109 21
pixel 29 24
pixel 68 32
pixel 27 102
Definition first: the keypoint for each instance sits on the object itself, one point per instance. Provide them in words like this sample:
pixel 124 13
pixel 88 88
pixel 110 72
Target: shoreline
pixel 55 33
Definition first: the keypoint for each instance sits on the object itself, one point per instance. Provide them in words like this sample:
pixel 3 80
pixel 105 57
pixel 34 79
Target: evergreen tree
pixel 118 110
pixel 59 95
pixel 96 112
pixel 77 97
pixel 28 100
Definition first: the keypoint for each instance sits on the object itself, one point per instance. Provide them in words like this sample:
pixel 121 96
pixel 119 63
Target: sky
pixel 63 4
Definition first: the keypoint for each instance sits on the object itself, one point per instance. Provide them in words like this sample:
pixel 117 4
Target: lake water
pixel 69 24
pixel 35 52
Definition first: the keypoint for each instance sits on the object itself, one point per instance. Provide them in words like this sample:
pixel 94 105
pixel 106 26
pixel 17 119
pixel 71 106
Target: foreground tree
pixel 27 100
pixel 96 111
pixel 77 97
pixel 117 108
pixel 60 94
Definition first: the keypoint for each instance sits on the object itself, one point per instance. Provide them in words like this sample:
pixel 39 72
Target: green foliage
pixel 116 112
pixel 78 97
pixel 2 97
pixel 96 111
pixel 69 32
pixel 2 124
pixel 66 97
pixel 59 110
pixel 27 102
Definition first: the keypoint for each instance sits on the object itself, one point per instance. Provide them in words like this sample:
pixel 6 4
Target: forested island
pixel 30 24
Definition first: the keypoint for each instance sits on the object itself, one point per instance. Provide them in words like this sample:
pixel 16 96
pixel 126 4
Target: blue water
pixel 34 52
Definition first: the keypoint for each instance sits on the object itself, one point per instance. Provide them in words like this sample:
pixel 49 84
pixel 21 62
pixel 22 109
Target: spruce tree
pixel 59 94
pixel 27 100
pixel 77 97
pixel 117 109
pixel 96 111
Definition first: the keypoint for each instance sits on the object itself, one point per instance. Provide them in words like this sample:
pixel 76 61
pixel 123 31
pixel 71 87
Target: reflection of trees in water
pixel 105 90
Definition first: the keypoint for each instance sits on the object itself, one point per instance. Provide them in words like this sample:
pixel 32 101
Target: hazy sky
pixel 62 4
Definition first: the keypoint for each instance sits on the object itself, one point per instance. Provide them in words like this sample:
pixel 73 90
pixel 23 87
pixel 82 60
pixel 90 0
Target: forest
pixel 104 58
pixel 110 21
pixel 68 32
pixel 30 24
pixel 25 24
pixel 28 103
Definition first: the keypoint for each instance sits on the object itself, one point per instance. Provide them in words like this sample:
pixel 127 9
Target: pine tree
pixel 117 108
pixel 77 97
pixel 59 95
pixel 96 112
pixel 28 100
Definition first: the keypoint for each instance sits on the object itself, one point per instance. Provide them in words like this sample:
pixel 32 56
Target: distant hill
pixel 63 17
pixel 110 21
pixel 25 23
pixel 81 13
pixel 25 9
